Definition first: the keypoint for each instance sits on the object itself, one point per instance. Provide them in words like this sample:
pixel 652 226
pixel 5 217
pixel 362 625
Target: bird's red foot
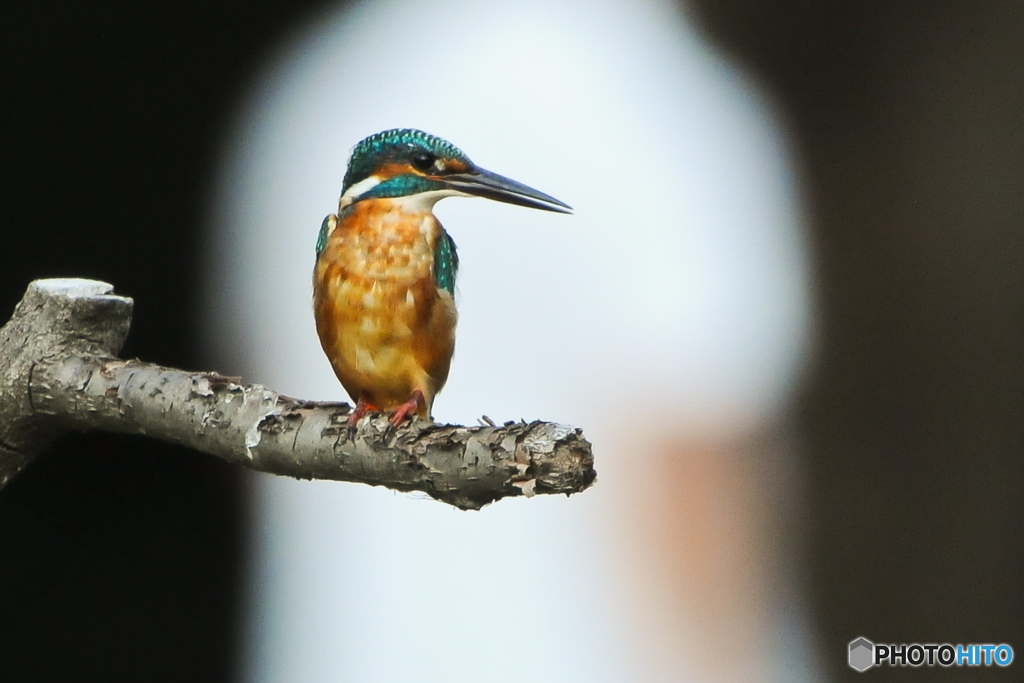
pixel 408 409
pixel 357 414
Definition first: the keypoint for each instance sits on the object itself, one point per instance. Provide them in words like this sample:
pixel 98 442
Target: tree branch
pixel 59 370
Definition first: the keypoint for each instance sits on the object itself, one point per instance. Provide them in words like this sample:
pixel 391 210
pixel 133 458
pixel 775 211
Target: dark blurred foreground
pixel 909 119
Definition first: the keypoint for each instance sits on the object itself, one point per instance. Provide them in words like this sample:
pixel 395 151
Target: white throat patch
pixel 413 203
pixel 423 202
pixel 357 190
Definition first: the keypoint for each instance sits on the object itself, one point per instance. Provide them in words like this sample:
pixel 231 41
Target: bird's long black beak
pixel 483 183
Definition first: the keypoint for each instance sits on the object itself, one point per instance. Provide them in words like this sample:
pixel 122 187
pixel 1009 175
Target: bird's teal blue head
pixel 403 162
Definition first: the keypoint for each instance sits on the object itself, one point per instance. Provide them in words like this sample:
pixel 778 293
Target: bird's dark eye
pixel 423 161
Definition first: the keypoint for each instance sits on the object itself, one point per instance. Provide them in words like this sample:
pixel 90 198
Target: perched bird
pixel 384 281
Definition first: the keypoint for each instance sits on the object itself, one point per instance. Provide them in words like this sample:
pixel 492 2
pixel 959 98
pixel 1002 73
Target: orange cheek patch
pixel 455 166
pixel 391 170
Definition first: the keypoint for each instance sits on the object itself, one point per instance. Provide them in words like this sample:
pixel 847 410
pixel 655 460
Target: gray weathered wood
pixel 59 370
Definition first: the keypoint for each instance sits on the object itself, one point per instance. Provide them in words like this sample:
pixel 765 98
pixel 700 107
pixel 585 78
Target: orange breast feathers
pixel 385 325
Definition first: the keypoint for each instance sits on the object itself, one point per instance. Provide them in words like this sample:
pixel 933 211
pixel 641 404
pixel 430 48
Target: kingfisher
pixel 384 279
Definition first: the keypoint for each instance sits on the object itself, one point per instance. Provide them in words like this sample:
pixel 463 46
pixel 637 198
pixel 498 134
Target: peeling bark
pixel 59 370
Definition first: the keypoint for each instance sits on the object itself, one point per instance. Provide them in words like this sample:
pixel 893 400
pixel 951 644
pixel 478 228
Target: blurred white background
pixel 669 318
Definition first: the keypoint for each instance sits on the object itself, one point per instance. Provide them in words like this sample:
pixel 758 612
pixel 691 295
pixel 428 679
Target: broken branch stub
pixel 55 318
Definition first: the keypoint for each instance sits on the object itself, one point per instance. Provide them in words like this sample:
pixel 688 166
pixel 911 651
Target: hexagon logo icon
pixel 862 654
